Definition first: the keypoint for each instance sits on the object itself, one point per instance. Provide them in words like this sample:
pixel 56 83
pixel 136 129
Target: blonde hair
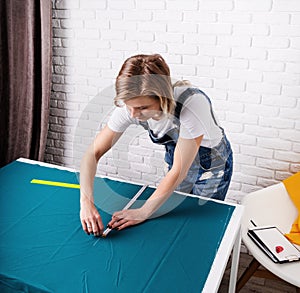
pixel 145 75
pixel 180 83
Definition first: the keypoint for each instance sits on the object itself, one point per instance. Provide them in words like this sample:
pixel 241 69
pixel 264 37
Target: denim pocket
pixel 216 157
pixel 212 159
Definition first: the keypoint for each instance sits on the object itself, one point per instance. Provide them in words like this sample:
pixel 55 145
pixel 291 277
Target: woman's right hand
pixel 90 219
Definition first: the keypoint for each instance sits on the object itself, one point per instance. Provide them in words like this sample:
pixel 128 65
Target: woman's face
pixel 144 108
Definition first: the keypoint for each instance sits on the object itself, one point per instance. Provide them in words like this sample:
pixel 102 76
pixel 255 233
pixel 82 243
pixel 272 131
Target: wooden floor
pixel 255 285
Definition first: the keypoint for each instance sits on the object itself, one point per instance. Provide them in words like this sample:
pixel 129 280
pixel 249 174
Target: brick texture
pixel 244 54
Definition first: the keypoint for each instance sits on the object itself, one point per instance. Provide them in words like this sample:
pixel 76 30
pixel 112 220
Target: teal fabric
pixel 44 249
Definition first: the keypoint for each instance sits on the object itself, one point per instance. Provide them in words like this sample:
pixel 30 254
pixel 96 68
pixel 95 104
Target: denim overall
pixel 210 172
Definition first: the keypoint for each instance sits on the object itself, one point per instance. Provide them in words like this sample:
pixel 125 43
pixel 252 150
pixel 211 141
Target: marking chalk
pixel 54 183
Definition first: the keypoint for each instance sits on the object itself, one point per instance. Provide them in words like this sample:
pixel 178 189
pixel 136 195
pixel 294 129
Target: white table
pixel 229 244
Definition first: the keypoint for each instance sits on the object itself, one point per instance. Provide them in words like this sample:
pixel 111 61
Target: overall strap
pixel 182 98
pixel 185 95
pixel 179 104
pixel 173 133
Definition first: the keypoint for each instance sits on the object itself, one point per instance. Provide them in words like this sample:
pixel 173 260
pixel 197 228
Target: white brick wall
pixel 244 54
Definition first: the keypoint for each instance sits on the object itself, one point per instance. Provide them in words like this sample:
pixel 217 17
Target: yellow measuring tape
pixel 54 183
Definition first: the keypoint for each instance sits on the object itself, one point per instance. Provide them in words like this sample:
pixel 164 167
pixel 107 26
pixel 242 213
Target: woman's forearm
pixel 184 155
pixel 123 219
pixel 88 168
pixel 163 192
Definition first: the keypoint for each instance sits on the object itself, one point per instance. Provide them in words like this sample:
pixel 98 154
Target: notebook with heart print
pixel 274 244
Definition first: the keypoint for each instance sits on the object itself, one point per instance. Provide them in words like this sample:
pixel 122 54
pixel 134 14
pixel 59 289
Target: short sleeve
pixel 194 117
pixel 120 120
pixel 196 120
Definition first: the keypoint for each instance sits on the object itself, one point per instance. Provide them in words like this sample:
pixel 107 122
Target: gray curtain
pixel 25 78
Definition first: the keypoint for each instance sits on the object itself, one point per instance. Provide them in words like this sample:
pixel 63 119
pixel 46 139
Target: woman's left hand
pixel 126 218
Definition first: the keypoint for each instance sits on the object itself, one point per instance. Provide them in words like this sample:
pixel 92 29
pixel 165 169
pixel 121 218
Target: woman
pixel 181 118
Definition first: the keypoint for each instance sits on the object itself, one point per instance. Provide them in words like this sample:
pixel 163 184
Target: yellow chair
pixel 270 206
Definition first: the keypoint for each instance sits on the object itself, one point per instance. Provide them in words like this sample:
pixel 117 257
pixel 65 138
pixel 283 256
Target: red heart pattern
pixel 279 249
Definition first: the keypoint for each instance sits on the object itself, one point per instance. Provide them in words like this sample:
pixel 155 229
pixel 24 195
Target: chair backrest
pixel 270 206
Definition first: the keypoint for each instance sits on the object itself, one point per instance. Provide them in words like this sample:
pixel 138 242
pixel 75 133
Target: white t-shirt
pixel 195 120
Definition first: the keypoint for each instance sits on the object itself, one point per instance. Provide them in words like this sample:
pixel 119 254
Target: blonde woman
pixel 181 118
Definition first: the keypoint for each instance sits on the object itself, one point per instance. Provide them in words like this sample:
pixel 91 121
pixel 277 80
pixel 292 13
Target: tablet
pixel 274 244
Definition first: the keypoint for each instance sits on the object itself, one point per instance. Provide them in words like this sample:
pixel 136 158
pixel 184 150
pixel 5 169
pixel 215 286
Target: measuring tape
pixel 129 204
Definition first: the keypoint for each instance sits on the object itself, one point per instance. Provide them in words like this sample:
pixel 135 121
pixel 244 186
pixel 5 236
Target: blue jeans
pixel 210 173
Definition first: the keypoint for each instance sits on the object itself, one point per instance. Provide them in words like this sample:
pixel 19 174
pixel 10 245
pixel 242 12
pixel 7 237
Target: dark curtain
pixel 25 78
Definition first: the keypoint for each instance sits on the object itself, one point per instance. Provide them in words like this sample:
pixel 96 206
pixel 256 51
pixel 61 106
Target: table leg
pixel 249 271
pixel 235 262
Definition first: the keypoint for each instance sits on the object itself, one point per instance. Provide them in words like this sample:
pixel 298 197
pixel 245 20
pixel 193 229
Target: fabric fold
pixel 292 185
